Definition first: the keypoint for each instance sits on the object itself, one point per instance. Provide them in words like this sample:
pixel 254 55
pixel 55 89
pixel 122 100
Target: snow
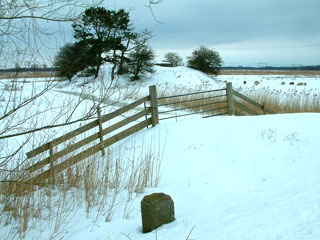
pixel 253 177
pixel 246 177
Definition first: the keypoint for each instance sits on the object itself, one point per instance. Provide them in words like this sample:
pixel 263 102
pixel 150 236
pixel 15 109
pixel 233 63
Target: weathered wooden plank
pixel 127 132
pixel 236 113
pixel 189 94
pixel 243 97
pixel 52 180
pixel 62 139
pixel 87 140
pixel 40 164
pixel 100 131
pixel 267 110
pixel 89 152
pixel 127 108
pixel 64 152
pixel 38 150
pixel 125 121
pixel 245 108
pixel 86 127
pixel 64 165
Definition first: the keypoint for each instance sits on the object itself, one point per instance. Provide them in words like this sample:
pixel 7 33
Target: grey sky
pixel 244 32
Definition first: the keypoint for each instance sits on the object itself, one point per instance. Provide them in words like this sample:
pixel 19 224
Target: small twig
pixel 127 235
pixel 152 2
pixel 190 233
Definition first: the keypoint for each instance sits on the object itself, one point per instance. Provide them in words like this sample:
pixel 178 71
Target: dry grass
pixel 270 72
pixel 205 103
pixel 276 101
pixel 97 184
pixel 284 102
pixel 25 75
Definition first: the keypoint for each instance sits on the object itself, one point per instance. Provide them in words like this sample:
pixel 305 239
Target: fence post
pixel 230 98
pixel 100 131
pixel 154 105
pixel 52 179
pixel 264 108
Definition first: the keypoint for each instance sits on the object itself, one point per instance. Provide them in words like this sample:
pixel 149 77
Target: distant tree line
pixel 165 64
pixel 302 68
pixel 30 69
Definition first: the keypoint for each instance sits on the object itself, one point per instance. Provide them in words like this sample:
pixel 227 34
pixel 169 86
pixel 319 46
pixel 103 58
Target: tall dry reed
pixel 99 185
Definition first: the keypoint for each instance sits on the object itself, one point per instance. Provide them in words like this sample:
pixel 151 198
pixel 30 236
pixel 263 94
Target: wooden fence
pixel 239 104
pixel 52 166
pixel 49 162
pixel 209 103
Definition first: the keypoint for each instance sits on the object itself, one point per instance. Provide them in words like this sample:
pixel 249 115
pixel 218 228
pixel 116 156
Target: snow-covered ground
pixel 253 178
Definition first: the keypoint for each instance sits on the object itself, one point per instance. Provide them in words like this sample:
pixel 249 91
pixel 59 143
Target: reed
pixel 285 102
pixel 98 184
pixel 275 100
pixel 271 72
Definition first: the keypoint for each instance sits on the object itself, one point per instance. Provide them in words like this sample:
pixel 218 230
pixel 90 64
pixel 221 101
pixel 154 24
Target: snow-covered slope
pixel 174 76
pixel 181 76
pixel 230 178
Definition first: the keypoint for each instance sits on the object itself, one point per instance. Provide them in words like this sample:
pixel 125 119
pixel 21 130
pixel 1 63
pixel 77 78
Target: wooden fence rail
pixel 61 166
pixel 252 107
pixel 233 106
pixel 238 104
pixel 209 103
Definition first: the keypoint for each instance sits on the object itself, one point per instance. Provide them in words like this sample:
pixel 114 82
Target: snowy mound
pixel 182 76
pixel 174 76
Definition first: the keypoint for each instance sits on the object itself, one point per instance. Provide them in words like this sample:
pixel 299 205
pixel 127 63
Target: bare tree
pixel 28 31
pixel 173 59
pixel 25 27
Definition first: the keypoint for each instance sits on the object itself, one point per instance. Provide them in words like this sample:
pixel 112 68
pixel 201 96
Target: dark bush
pixel 205 60
pixel 141 61
pixel 71 59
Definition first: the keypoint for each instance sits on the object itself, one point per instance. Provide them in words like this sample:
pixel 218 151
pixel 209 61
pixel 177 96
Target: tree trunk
pixel 121 70
pixel 96 73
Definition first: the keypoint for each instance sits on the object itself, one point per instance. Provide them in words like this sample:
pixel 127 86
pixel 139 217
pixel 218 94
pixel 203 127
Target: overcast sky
pixel 244 32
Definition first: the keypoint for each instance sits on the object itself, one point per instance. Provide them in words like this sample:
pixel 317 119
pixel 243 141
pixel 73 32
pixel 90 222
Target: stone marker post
pixel 156 209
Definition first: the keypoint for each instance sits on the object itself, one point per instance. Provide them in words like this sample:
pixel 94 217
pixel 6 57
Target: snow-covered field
pixel 253 178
